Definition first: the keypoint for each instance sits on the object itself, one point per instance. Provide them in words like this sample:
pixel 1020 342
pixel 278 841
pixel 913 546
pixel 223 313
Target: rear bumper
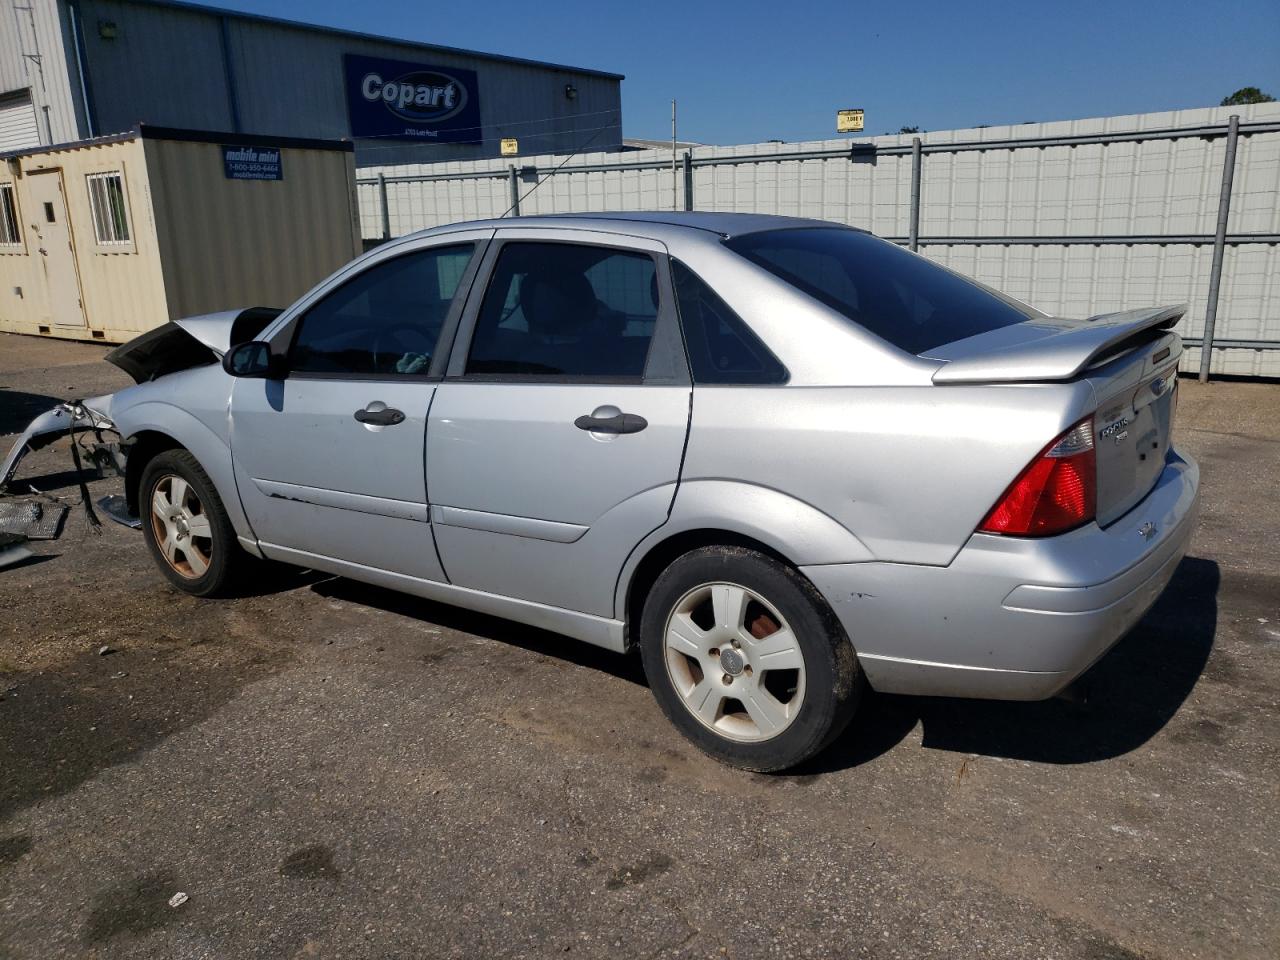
pixel 1014 618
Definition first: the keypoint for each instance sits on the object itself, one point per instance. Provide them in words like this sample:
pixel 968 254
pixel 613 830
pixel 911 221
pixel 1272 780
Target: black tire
pixel 221 547
pixel 832 681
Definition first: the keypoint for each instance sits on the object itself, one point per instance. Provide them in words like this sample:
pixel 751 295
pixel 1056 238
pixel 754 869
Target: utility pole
pixel 675 191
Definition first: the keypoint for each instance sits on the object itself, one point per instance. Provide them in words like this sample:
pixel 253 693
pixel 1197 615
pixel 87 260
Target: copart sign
pixel 411 101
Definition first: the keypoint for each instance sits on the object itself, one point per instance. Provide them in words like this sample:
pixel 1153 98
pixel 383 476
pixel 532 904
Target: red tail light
pixel 1056 493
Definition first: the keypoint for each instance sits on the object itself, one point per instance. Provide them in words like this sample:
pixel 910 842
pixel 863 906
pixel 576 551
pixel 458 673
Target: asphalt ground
pixel 327 769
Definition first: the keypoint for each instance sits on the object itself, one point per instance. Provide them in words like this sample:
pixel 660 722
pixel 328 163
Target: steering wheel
pixel 383 349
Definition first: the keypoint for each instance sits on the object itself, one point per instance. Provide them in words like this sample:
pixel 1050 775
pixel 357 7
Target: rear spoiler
pixel 1062 354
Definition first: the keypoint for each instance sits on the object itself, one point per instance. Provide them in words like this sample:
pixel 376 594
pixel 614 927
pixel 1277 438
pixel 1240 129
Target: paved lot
pixel 331 770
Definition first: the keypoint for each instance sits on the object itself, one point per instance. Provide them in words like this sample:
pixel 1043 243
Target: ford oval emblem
pixel 1157 386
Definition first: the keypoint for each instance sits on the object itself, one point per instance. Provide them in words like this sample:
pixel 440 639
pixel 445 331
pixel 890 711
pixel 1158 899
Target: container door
pixel 47 219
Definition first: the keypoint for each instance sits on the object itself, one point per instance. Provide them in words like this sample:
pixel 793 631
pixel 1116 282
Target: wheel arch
pixel 143 448
pixel 660 555
pixel 156 426
pixel 733 513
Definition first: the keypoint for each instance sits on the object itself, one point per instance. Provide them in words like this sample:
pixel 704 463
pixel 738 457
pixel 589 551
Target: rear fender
pixel 791 528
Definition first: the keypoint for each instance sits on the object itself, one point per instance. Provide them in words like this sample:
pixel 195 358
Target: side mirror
pixel 252 359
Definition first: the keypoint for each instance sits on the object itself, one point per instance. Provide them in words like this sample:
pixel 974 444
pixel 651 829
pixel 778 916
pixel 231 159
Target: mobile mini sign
pixel 252 163
pixel 411 101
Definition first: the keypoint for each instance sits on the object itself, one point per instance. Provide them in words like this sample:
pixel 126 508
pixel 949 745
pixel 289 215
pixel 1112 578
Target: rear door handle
pixel 618 423
pixel 381 417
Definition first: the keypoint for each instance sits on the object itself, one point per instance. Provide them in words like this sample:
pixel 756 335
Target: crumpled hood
pixel 212 329
pixel 189 342
pixel 220 331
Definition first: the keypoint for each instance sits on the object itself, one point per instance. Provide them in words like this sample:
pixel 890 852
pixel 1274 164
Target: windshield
pixel 905 299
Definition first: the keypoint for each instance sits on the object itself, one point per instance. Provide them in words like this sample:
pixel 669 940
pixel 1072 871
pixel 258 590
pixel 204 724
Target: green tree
pixel 910 130
pixel 1247 95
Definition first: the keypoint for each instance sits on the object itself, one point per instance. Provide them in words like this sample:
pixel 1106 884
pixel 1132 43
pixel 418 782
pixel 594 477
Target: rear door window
pixel 903 298
pixel 565 310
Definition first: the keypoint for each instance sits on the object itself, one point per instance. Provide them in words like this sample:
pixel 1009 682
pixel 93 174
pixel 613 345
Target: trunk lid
pixel 1130 359
pixel 1133 425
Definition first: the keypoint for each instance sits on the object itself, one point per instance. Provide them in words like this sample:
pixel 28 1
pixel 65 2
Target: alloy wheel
pixel 734 662
pixel 181 526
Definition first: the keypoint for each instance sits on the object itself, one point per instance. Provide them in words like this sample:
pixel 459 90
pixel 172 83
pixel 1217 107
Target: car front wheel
pixel 185 524
pixel 746 659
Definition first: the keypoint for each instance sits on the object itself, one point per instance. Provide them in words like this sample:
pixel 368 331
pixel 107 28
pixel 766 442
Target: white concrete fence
pixel 1075 217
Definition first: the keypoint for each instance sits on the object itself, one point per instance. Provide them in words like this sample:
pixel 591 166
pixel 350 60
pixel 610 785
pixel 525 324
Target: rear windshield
pixel 905 299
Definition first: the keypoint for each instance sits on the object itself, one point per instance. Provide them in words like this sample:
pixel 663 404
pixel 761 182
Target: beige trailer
pixel 103 239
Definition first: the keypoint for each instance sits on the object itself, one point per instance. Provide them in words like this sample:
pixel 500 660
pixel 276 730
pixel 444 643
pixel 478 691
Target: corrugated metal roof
pixel 337 31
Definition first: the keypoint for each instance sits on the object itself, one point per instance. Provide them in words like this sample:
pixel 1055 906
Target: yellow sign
pixel 510 146
pixel 848 121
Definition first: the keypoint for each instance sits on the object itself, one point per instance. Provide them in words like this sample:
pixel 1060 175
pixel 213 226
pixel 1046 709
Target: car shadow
pixel 50 483
pixel 1123 701
pixel 533 639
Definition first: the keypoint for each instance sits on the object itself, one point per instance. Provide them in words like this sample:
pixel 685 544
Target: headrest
pixel 557 303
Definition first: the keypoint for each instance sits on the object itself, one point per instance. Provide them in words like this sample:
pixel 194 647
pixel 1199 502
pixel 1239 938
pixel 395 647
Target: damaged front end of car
pixel 98 446
pixel 92 415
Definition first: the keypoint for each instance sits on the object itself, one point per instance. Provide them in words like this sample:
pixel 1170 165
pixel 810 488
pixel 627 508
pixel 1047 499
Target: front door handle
pixel 380 416
pixel 618 423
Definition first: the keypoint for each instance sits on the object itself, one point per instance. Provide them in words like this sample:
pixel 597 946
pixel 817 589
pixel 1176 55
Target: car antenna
pixel 543 179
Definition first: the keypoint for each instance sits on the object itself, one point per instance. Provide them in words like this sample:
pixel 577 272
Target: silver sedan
pixel 783 459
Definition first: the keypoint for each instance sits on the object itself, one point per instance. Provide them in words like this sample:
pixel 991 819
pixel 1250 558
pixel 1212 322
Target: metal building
pixel 107 238
pixel 78 69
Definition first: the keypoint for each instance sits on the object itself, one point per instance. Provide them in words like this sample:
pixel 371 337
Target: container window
pixel 110 216
pixel 9 235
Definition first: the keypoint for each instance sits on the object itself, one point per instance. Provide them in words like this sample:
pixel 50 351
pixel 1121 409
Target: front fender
pixel 201 440
pixel 790 527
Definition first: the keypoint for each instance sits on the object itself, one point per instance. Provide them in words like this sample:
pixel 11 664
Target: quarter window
pixel 386 321
pixel 722 348
pixel 9 234
pixel 566 310
pixel 110 215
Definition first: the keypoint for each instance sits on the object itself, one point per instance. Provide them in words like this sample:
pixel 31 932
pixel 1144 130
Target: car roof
pixel 722 224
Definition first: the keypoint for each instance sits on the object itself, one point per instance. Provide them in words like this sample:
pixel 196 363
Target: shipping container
pixel 104 239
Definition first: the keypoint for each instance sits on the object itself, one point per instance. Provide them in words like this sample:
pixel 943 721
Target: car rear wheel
pixel 185 525
pixel 746 659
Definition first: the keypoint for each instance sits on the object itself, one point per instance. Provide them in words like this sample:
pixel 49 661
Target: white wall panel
pixel 1144 188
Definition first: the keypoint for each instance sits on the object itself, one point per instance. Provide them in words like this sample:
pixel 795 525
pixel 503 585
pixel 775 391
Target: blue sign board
pixel 411 101
pixel 252 163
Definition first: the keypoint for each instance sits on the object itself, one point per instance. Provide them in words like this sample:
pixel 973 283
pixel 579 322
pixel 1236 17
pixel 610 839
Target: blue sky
pixel 750 71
